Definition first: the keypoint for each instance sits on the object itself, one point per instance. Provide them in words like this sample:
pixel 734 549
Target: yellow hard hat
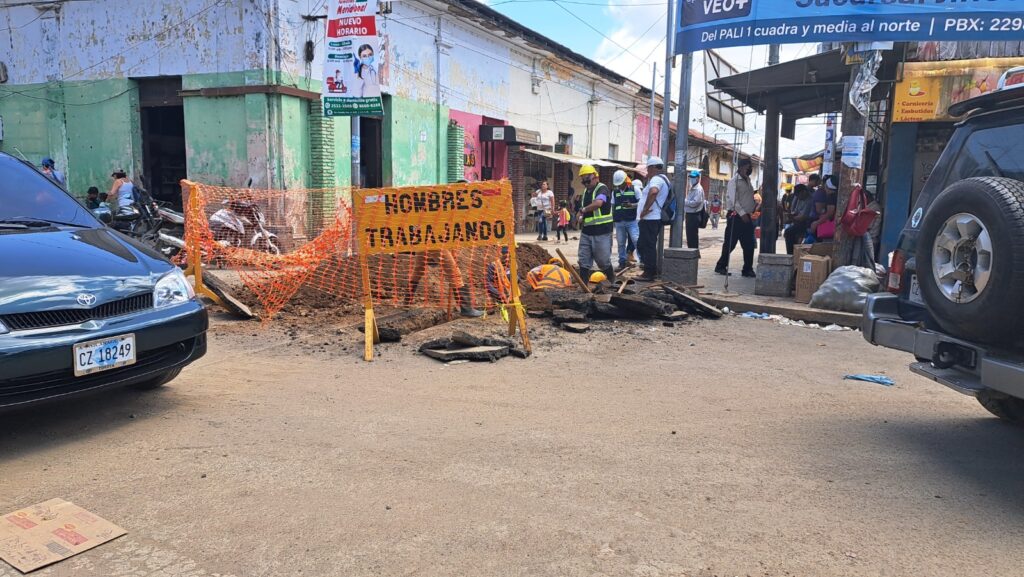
pixel 557 261
pixel 598 277
pixel 587 169
pixel 787 186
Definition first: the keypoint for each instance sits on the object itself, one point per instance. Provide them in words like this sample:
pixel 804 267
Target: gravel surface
pixel 711 448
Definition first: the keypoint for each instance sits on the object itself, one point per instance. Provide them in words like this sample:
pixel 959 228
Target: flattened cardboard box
pixel 42 534
pixel 812 272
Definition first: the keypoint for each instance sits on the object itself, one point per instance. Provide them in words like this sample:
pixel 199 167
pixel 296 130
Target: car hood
pixel 51 270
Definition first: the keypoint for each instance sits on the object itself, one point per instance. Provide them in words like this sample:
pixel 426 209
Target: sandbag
pixel 846 290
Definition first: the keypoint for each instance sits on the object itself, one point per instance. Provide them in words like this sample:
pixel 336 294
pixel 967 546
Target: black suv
pixel 957 277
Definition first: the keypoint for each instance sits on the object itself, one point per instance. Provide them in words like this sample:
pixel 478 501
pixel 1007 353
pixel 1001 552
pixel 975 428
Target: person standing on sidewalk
pixel 627 230
pixel 695 205
pixel 716 211
pixel 656 194
pixel 739 223
pixel 598 223
pixel 546 204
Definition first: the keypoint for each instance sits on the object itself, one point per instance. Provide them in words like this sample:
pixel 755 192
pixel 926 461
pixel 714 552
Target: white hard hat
pixel 655 161
pixel 618 178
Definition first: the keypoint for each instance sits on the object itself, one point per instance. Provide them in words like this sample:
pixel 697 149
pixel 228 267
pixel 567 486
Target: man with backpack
pixel 658 210
pixel 598 223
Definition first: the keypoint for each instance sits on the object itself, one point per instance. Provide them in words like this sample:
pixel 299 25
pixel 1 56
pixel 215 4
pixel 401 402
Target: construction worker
pixel 451 271
pixel 624 201
pixel 598 223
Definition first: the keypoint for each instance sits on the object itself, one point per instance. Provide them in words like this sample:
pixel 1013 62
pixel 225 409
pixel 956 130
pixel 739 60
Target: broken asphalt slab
pixel 641 306
pixel 482 353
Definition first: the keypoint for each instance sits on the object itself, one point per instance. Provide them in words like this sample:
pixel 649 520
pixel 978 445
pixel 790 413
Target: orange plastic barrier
pixel 427 246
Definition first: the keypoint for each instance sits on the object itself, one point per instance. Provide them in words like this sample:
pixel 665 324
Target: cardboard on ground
pixel 52 531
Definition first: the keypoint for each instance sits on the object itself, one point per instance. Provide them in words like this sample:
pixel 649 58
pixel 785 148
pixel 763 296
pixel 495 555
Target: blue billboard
pixel 718 23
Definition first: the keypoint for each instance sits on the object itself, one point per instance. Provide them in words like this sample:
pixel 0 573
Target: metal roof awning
pixel 806 87
pixel 577 160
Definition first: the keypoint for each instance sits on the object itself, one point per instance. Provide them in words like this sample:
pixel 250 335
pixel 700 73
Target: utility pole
pixel 854 124
pixel 682 147
pixel 773 54
pixel 666 109
pixel 356 170
pixel 650 128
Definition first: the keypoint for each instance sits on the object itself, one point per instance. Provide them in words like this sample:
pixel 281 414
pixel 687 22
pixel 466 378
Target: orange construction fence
pixel 421 246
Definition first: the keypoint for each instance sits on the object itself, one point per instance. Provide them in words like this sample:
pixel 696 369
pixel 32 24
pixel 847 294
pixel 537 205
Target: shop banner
pixel 719 23
pixel 351 83
pixel 928 89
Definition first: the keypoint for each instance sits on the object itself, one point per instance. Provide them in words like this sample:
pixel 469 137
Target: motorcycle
pixel 242 224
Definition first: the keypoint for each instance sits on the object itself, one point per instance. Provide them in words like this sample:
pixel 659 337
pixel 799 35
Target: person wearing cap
pixel 123 191
pixel 654 197
pixel 627 230
pixel 825 200
pixel 739 221
pixel 785 205
pixel 694 206
pixel 598 223
pixel 51 172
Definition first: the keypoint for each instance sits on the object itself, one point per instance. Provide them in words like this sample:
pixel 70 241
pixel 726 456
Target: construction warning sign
pixel 427 218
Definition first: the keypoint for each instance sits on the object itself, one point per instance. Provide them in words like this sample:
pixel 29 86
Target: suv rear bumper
pixel 977 368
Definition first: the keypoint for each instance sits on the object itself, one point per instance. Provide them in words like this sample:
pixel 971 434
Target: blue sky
pixel 631 38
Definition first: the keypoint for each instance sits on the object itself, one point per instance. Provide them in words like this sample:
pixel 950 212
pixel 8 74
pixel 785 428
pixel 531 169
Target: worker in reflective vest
pixel 596 234
pixel 624 203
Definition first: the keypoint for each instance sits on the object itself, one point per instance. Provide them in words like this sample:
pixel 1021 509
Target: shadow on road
pixel 51 424
pixel 975 456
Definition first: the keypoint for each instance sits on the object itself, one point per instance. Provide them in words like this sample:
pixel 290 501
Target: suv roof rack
pixel 1010 92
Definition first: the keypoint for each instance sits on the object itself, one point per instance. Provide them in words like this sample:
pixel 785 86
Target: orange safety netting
pixel 441 246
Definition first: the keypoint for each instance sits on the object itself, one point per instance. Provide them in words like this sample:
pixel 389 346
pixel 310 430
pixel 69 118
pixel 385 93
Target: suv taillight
pixel 896 268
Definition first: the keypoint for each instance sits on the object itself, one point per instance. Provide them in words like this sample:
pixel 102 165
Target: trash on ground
pixel 877 379
pixel 846 290
pixel 760 316
pixel 49 532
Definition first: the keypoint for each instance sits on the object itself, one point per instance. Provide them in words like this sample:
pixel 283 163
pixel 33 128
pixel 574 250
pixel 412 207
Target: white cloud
pixel 631 25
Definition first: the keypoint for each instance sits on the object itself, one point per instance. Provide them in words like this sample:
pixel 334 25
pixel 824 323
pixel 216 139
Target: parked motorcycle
pixel 241 223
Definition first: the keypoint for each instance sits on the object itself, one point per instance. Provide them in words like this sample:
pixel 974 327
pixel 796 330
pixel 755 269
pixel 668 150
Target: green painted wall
pixel 87 127
pixel 411 142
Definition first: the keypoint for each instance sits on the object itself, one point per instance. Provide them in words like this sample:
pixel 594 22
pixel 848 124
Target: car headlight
pixel 172 289
pixel 3 328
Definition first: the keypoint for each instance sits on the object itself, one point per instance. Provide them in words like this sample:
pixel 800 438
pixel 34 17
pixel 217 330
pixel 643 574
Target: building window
pixel 613 151
pixel 564 143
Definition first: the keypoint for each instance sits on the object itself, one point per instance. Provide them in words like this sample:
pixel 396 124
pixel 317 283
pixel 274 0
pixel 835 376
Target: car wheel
pixel 1009 409
pixel 159 381
pixel 970 258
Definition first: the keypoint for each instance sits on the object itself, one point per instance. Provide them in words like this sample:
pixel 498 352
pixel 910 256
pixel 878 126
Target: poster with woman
pixel 351 83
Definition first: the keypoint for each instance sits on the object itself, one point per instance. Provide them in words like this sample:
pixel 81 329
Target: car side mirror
pixel 104 215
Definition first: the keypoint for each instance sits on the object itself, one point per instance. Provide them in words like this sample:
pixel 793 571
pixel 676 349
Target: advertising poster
pixel 830 144
pixel 718 23
pixel 928 89
pixel 352 60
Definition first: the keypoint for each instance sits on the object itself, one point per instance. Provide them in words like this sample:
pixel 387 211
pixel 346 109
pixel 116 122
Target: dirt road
pixel 712 448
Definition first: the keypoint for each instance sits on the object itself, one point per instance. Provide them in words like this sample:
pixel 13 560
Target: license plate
pixel 104 354
pixel 915 291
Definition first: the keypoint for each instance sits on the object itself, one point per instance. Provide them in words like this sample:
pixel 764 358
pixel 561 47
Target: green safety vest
pixel 602 215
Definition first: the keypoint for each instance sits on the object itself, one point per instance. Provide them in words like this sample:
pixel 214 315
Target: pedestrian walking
pixel 51 172
pixel 716 211
pixel 596 235
pixel 695 206
pixel 563 222
pixel 655 196
pixel 739 223
pixel 546 209
pixel 624 203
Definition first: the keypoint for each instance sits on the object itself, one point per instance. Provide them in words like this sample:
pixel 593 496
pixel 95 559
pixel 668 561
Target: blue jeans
pixel 542 227
pixel 624 232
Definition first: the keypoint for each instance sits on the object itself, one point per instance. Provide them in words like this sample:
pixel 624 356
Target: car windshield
pixel 29 198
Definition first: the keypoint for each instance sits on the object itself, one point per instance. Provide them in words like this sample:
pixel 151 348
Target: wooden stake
pixel 572 272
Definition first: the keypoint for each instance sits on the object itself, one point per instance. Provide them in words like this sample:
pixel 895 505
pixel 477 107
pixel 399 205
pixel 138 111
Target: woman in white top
pixel 693 208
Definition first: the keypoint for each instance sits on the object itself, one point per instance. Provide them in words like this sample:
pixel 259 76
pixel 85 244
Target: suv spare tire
pixel 970 256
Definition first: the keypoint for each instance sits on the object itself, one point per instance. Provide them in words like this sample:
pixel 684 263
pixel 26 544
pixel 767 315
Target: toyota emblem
pixel 86 299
